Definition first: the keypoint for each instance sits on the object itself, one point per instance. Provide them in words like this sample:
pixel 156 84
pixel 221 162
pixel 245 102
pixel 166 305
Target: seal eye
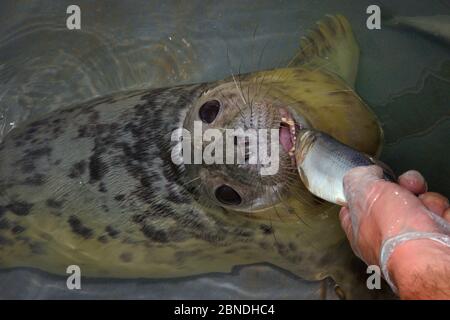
pixel 227 195
pixel 209 110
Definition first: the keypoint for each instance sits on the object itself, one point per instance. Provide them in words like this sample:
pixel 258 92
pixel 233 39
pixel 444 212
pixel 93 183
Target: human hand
pixel 379 210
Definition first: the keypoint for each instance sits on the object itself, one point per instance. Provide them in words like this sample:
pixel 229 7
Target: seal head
pixel 243 117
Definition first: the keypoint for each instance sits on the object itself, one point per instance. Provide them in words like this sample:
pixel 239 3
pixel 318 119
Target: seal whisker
pixel 287 208
pixel 259 65
pixel 281 71
pixel 234 79
pixel 233 104
pixel 250 99
pixel 300 219
pixel 299 52
pixel 292 181
pixel 190 181
pixel 269 216
pixel 237 87
pixel 276 75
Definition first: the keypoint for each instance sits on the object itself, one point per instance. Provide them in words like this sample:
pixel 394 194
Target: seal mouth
pixel 288 132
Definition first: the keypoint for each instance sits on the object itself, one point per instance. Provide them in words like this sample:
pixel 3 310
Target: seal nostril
pixel 227 195
pixel 209 110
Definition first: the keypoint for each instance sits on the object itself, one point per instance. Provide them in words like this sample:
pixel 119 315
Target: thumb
pixel 346 223
pixel 357 183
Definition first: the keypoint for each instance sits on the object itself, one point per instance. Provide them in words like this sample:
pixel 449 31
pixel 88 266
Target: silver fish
pixel 322 163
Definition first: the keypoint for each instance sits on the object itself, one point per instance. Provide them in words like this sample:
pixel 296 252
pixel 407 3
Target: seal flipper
pixel 331 46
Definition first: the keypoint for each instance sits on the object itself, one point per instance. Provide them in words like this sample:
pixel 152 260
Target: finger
pixel 346 223
pixel 413 181
pixel 446 215
pixel 435 202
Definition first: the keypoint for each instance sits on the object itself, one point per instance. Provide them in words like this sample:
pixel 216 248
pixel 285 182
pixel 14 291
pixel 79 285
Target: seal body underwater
pixel 95 184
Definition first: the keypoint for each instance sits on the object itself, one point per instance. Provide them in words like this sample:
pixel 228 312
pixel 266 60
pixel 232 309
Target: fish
pixel 323 161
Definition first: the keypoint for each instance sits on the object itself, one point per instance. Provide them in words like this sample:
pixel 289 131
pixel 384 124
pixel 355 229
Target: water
pixel 403 76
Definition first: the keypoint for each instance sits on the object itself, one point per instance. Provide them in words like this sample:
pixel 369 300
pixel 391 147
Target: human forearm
pixel 420 269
